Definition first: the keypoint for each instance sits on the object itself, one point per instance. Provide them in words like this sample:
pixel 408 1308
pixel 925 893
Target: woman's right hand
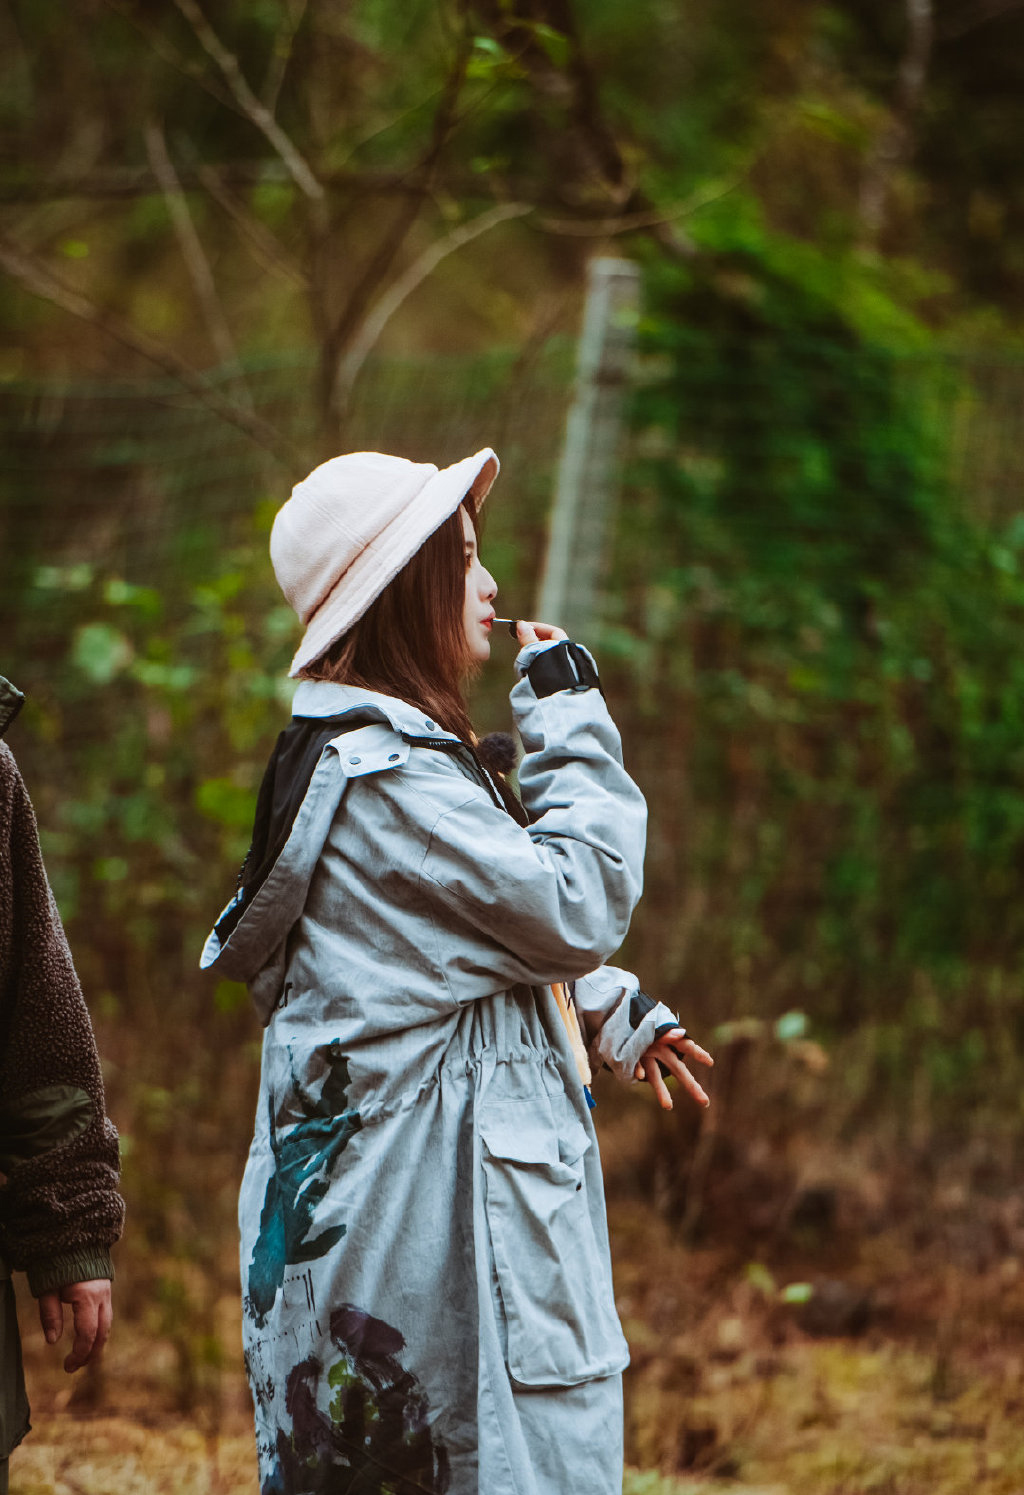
pixel 667 1051
pixel 539 633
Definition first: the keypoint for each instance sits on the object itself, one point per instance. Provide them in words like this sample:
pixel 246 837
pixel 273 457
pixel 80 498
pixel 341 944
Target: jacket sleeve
pixel 620 1021
pixel 60 1210
pixel 551 901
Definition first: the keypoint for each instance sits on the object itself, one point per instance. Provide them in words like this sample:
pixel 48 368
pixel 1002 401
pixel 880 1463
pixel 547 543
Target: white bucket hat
pixel 350 527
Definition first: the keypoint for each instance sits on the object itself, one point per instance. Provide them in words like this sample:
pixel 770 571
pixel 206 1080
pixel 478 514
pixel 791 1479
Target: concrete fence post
pixel 588 476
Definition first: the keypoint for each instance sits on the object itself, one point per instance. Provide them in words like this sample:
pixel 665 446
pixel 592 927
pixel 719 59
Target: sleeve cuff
pixel 621 1046
pixel 528 653
pixel 620 1021
pixel 74 1266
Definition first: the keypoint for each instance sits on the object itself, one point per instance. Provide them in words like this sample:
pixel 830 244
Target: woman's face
pixel 481 590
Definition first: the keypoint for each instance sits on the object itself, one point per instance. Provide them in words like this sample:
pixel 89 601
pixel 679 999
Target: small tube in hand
pixel 512 624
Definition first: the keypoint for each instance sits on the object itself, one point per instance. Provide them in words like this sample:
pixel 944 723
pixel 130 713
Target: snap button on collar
pixel 354 761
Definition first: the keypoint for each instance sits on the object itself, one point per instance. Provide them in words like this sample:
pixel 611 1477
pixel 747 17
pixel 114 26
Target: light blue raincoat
pixel 427 1289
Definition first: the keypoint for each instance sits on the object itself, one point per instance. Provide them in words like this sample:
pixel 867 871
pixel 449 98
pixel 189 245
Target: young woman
pixel 427 1289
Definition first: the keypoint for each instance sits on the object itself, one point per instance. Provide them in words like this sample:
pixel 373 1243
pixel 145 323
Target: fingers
pixel 656 1080
pixel 92 1316
pixel 692 1086
pixel 51 1316
pixel 104 1324
pixel 539 633
pixel 679 1071
pixel 90 1302
pixel 683 1045
pixel 666 1052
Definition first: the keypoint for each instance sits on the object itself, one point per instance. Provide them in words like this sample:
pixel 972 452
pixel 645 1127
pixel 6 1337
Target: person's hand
pixel 538 633
pixel 91 1313
pixel 667 1050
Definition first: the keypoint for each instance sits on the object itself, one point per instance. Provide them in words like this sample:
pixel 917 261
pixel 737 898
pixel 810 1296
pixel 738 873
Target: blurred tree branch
pixel 257 112
pixel 421 268
pixel 356 240
pixel 38 279
pixel 295 10
pixel 128 182
pixel 172 58
pixel 631 223
pixel 894 146
pixel 337 333
pixel 192 251
pixel 587 158
pixel 266 248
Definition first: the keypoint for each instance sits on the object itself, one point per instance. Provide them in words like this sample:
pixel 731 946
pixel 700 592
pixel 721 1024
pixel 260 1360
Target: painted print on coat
pixel 306 1158
pixel 374 1438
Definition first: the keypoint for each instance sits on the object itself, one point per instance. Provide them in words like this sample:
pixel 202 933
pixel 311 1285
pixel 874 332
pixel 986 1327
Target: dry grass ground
pixel 732 1397
pixel 913 1386
pixel 828 1419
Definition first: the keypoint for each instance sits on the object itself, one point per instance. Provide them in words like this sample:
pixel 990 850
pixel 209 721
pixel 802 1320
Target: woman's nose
pixel 488 587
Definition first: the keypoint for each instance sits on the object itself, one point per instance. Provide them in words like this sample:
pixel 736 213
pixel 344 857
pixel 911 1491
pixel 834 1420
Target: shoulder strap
pixel 282 790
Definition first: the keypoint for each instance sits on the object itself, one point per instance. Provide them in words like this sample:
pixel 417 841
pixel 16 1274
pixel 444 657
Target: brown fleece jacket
pixel 60 1210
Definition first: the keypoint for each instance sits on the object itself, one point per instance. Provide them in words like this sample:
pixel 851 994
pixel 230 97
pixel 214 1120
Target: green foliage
pixel 827 650
pixel 226 802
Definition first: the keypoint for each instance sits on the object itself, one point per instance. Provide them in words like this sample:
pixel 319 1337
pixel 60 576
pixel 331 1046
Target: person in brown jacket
pixel 60 1210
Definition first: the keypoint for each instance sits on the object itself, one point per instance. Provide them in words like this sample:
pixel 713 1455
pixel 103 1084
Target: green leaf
pixel 790 1026
pixel 759 1277
pixel 63 578
pixel 554 43
pixel 490 61
pixel 797 1292
pixel 226 802
pixel 145 600
pixel 101 652
pixel 176 678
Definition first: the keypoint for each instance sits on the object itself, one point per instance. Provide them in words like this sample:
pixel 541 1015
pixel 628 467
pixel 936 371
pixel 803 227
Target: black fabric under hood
pixel 285 782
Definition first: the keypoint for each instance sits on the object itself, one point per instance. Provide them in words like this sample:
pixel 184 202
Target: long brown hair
pixel 411 642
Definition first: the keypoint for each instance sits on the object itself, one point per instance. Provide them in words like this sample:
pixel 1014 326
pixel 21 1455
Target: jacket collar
pixel 318 698
pixel 11 702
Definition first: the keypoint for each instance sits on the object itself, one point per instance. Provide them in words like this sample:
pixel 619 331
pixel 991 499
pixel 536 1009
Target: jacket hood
pixel 248 942
pixel 319 698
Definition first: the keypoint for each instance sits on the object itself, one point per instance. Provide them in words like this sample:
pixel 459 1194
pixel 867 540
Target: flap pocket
pixel 572 1138
pixel 518 1134
pixel 550 1252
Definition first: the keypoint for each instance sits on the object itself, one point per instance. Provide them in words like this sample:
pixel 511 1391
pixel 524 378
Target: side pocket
pixel 554 1279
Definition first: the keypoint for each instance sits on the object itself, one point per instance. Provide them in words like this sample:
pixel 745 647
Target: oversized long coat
pixel 427 1289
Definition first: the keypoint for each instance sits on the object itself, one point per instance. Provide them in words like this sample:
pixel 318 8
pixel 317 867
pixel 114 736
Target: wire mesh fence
pixel 140 479
pixel 789 837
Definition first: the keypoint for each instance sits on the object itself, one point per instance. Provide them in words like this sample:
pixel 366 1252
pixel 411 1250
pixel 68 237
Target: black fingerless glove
pixel 564 667
pixel 640 1004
